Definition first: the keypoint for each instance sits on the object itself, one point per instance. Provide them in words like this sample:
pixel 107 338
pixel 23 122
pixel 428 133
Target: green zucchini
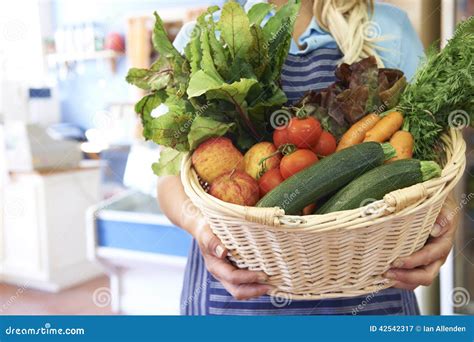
pixel 327 176
pixel 375 184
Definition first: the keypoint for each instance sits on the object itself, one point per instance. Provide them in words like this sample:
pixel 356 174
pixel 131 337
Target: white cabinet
pixel 142 251
pixel 44 234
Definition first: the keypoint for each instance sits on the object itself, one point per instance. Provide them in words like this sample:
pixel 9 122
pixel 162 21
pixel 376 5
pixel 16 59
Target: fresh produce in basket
pixel 438 98
pixel 361 88
pixel 385 128
pixel 280 136
pixel 441 94
pixel 220 96
pixel 378 182
pixel 261 158
pixel 326 145
pixel 215 157
pixel 297 161
pixel 356 133
pixel 298 252
pixel 402 142
pixel 304 132
pixel 236 187
pixel 226 88
pixel 225 83
pixel 309 209
pixel 326 177
pixel 269 181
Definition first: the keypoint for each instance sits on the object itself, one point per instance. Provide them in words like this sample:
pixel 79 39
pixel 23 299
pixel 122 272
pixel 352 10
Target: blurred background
pixel 80 229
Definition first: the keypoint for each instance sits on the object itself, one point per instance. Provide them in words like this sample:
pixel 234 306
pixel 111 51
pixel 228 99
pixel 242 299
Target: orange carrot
pixel 385 128
pixel 403 142
pixel 356 134
pixel 309 209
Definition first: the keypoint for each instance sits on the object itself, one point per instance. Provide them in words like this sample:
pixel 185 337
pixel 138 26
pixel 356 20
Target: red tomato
pixel 296 161
pixel 280 136
pixel 326 144
pixel 270 180
pixel 304 133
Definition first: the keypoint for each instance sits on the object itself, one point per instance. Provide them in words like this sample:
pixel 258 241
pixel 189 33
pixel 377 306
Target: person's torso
pixel 312 69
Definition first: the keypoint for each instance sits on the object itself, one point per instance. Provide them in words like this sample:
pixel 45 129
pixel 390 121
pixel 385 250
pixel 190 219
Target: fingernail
pixel 436 231
pixel 390 275
pixel 219 251
pixel 262 279
pixel 398 263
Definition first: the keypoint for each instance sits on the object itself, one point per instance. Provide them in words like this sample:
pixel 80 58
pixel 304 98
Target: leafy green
pixel 275 32
pixel 161 42
pixel 258 12
pixel 360 88
pixel 258 51
pixel 144 107
pixel 172 129
pixel 204 128
pixel 234 26
pixel 149 79
pixel 235 92
pixel 193 51
pixel 441 92
pixel 227 82
pixel 202 82
pixel 169 163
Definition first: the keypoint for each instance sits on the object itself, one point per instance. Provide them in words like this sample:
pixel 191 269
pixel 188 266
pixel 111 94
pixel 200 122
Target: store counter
pixel 141 250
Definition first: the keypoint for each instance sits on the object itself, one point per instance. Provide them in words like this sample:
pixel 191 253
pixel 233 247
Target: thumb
pixel 443 222
pixel 211 243
pixel 216 248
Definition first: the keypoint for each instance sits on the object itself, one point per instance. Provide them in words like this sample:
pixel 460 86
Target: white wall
pixel 21 52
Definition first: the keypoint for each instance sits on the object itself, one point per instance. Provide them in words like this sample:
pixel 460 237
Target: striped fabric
pixel 203 295
pixel 314 70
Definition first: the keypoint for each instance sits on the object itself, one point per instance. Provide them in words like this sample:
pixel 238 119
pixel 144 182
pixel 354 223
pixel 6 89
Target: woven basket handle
pixel 401 199
pixel 264 216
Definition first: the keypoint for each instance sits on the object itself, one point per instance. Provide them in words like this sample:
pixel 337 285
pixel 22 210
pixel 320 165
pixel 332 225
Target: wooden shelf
pixel 68 58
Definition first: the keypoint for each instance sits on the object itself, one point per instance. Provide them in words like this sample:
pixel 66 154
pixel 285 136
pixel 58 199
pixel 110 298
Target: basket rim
pixel 294 223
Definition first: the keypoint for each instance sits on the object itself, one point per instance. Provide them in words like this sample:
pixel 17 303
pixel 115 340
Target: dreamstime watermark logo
pixel 371 30
pixel 460 297
pixel 102 119
pixel 290 197
pixel 13 208
pixel 370 208
pixel 280 119
pixel 196 293
pixel 191 31
pixel 186 126
pixel 188 209
pixel 13 298
pixel 459 119
pixel 102 297
pixel 281 31
pixel 368 299
pixel 47 329
pixel 14 30
pixel 281 299
pixel 465 200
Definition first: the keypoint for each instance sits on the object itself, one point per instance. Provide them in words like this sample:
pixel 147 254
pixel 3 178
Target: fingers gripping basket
pixel 339 254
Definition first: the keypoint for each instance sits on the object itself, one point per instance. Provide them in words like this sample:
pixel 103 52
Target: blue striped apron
pixel 202 294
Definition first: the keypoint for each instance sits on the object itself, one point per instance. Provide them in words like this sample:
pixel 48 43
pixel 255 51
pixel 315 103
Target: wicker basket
pixel 340 254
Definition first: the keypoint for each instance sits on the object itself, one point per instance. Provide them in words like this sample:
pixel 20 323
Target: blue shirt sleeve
pixel 412 50
pixel 400 46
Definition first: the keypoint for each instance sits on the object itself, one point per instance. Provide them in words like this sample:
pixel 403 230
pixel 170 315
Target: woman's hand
pixel 174 203
pixel 241 284
pixel 422 267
